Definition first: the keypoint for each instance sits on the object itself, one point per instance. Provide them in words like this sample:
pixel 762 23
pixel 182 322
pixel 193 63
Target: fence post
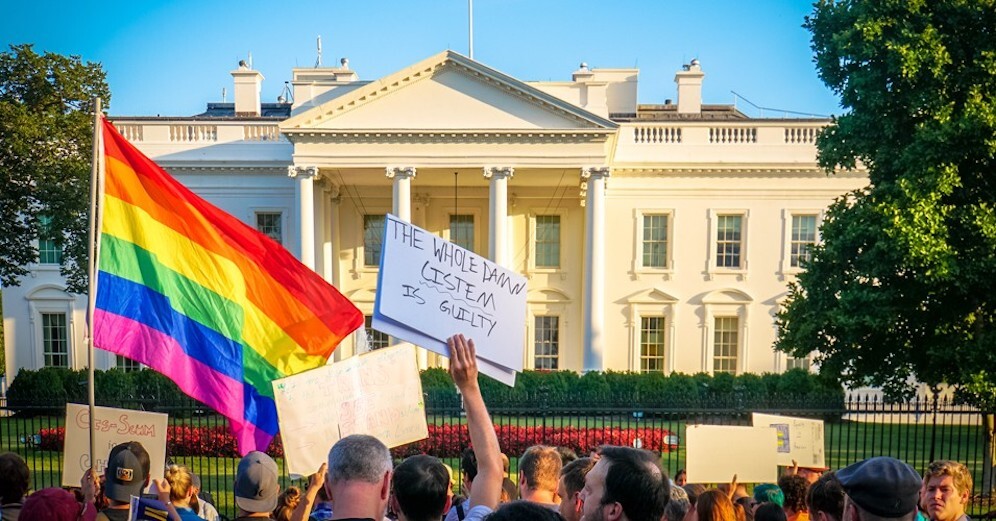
pixel 933 428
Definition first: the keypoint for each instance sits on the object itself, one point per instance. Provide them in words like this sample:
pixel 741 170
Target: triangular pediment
pixel 447 92
pixel 651 296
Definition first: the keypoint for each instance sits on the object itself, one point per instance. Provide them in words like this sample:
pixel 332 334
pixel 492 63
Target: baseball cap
pixel 769 493
pixel 127 471
pixel 256 487
pixel 883 486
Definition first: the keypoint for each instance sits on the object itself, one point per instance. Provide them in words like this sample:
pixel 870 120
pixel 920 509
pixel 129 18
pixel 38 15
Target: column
pixel 305 192
pixel 594 267
pixel 498 212
pixel 401 195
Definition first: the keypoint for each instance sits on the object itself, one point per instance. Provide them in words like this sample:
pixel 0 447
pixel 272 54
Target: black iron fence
pixel 917 432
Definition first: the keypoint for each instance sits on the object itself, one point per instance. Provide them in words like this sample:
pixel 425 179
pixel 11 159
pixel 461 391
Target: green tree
pixel 46 131
pixel 904 285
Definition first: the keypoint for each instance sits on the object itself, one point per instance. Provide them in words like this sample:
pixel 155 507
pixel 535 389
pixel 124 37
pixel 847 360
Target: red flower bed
pixel 443 441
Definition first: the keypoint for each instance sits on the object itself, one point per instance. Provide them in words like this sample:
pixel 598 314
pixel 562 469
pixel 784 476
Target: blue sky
pixel 170 58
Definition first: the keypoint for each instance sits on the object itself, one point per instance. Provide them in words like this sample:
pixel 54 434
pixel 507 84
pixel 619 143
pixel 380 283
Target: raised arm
pixel 463 369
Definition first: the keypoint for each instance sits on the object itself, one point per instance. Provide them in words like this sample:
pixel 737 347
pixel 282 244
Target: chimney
pixel 247 87
pixel 689 80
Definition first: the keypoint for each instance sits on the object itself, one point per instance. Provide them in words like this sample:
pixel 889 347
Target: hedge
pixel 53 387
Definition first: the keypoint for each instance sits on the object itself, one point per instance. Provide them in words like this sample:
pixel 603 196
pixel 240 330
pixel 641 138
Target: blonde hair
pixel 286 503
pixel 179 481
pixel 959 474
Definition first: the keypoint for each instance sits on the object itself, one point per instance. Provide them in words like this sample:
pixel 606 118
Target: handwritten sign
pixel 378 393
pixel 799 439
pixel 111 427
pixel 716 452
pixel 428 289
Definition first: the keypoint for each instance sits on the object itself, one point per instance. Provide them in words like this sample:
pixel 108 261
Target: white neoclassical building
pixel 654 237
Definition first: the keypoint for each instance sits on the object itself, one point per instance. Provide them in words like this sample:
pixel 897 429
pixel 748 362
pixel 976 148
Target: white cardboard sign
pixel 799 439
pixel 377 393
pixel 429 289
pixel 111 427
pixel 716 452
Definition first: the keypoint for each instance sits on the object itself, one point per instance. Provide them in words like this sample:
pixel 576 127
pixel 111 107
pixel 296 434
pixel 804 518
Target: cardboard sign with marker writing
pixel 111 427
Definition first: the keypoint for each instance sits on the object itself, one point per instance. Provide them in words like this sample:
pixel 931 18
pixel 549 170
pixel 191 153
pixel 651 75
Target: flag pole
pixel 92 252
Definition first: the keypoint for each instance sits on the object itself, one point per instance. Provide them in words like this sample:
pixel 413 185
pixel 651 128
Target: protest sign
pixel 111 427
pixel 799 439
pixel 716 452
pixel 377 393
pixel 429 289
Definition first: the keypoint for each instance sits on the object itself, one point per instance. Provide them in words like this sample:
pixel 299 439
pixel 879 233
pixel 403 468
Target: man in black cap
pixel 879 489
pixel 256 486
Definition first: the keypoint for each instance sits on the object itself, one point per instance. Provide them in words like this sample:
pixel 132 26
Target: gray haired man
pixel 359 477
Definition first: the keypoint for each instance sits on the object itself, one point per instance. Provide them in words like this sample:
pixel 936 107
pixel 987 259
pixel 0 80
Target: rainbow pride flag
pixel 205 299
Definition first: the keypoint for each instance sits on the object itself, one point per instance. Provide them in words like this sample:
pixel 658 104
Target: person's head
pixel 359 475
pixel 946 486
pixel 256 486
pixel 570 485
pixel 678 506
pixel 127 472
pixel 879 489
pixel 14 478
pixel 681 478
pixel 810 474
pixel 714 505
pixel 539 470
pixel 694 490
pixel 286 504
pixel 794 487
pixel 567 455
pixel 625 483
pixel 825 499
pixel 51 504
pixel 181 484
pixel 509 492
pixel 468 468
pixel 421 488
pixel 770 511
pixel 523 511
pixel 739 492
pixel 768 493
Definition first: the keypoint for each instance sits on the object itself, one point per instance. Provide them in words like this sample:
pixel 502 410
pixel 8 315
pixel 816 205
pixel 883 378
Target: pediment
pixel 48 292
pixel 727 296
pixel 651 296
pixel 547 295
pixel 447 92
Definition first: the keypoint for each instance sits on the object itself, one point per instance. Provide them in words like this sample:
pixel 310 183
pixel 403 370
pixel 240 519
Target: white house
pixel 654 237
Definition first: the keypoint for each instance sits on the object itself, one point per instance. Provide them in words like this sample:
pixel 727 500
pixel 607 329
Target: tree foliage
pixel 904 284
pixel 46 133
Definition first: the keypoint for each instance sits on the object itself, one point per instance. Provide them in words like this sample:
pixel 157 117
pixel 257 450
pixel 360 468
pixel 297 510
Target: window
pixel 655 241
pixel 547 241
pixel 127 364
pixel 546 335
pixel 725 342
pixel 375 339
pixel 49 248
pixel 271 225
pixel 462 231
pixel 373 238
pixel 803 239
pixel 797 363
pixel 651 344
pixel 729 241
pixel 55 338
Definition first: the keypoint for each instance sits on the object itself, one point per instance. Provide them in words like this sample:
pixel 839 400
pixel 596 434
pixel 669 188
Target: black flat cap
pixel 882 486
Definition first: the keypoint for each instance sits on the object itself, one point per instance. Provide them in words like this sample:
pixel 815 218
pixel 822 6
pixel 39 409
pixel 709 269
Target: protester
pixel 256 486
pixel 314 504
pixel 947 485
pixel 794 487
pixel 509 492
pixel 567 455
pixel 681 478
pixel 181 491
pixel 523 510
pixel 768 493
pixel 56 504
pixel 877 488
pixel 126 475
pixel 626 484
pixel 539 470
pixel 714 505
pixel 810 474
pixel 359 477
pixel 14 483
pixel 421 489
pixel 769 511
pixel 694 490
pixel 570 485
pixel 286 503
pixel 201 501
pixel 677 507
pixel 468 471
pixel 825 499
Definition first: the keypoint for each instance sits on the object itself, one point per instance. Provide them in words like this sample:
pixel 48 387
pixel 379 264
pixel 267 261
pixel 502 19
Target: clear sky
pixel 172 57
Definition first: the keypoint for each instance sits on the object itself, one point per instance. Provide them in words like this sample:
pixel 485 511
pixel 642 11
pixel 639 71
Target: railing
pixel 657 134
pixel 917 432
pixel 733 135
pixel 187 133
pixel 261 133
pixel 131 132
pixel 199 132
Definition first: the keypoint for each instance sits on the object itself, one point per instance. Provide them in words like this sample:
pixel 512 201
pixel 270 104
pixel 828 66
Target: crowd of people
pixel 360 482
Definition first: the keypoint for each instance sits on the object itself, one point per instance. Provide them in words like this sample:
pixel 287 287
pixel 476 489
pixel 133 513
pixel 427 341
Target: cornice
pixel 758 170
pixel 448 136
